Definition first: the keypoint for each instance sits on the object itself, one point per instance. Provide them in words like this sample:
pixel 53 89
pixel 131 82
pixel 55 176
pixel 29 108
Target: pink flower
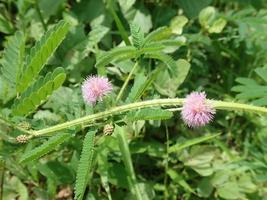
pixel 95 88
pixel 197 111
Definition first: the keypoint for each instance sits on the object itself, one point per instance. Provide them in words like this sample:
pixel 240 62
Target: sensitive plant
pixel 150 69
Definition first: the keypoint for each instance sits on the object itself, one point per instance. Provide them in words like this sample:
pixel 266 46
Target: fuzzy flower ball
pixel 95 88
pixel 196 110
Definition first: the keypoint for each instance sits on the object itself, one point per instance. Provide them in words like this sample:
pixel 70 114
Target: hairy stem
pixel 126 82
pixel 144 104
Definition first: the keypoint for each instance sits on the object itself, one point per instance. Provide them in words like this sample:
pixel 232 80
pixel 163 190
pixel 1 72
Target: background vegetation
pixel 49 47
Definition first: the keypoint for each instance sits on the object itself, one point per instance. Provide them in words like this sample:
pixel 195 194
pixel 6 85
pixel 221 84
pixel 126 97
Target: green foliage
pixel 121 53
pixel 13 58
pixel 188 143
pixel 176 46
pixel 40 54
pixel 137 36
pixel 85 165
pixel 251 90
pixel 126 157
pixel 44 148
pixel 149 114
pixel 38 92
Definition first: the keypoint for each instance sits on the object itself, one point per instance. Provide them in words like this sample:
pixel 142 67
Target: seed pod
pixel 22 139
pixel 108 129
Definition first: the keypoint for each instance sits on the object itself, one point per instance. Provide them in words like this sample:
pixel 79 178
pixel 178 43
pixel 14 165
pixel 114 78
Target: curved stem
pixel 126 82
pixel 144 104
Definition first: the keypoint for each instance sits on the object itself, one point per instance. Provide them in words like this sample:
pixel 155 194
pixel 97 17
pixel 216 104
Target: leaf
pixel 188 143
pixel 38 92
pixel 168 60
pixel 230 190
pixel 167 83
pixel 127 160
pixel 149 114
pixel 180 180
pixel 217 26
pixel 206 16
pixel 177 24
pixel 139 83
pixel 85 165
pixel 193 7
pixel 114 54
pixel 41 53
pixel 13 56
pixel 262 73
pixel 5 25
pixel 137 36
pixel 251 90
pixel 158 34
pixel 45 148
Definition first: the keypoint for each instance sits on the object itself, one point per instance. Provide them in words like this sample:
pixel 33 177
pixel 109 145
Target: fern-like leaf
pixel 137 36
pixel 115 54
pixel 85 165
pixel 41 53
pixel 168 60
pixel 149 114
pixel 45 148
pixel 38 92
pixel 158 34
pixel 13 57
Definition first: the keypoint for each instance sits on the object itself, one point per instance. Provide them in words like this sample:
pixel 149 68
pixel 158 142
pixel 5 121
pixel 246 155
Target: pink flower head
pixel 95 88
pixel 197 111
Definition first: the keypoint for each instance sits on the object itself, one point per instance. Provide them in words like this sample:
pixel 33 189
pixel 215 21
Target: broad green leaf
pixel 177 24
pixel 200 159
pixel 40 54
pixel 230 190
pixel 38 92
pixel 167 83
pixel 217 26
pixel 206 16
pixel 45 148
pixel 85 165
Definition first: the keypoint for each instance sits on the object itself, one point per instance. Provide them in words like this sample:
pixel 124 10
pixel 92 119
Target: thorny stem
pixel 126 82
pixel 220 105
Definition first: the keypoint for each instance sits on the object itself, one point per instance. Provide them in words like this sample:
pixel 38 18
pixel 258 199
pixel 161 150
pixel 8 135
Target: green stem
pixel 9 124
pixel 144 104
pixel 126 82
pixel 40 15
pixel 119 25
pixel 166 194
